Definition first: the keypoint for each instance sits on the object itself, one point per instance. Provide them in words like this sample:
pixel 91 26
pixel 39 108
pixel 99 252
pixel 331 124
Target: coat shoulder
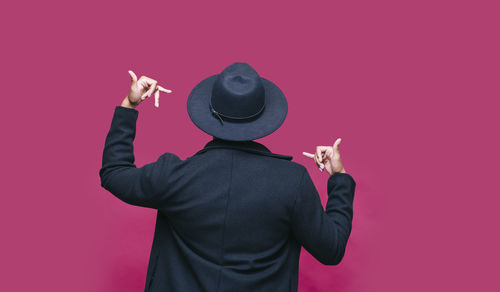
pixel 288 165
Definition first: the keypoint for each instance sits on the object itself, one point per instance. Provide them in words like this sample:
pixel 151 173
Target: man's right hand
pixel 328 157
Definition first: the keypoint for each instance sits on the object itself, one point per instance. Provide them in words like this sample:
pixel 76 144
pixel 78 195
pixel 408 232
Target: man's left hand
pixel 142 89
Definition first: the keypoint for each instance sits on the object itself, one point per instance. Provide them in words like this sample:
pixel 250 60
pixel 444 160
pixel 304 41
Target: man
pixel 233 216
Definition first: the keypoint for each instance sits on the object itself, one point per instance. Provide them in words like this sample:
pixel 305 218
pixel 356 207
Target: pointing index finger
pixel 310 155
pixel 164 89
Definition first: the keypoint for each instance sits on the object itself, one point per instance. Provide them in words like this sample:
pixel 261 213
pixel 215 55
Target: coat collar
pixel 248 146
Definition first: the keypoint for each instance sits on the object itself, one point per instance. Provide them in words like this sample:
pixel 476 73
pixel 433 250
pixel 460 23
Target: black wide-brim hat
pixel 237 104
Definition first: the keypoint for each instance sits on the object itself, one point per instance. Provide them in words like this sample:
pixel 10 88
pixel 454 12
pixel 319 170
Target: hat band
pixel 222 116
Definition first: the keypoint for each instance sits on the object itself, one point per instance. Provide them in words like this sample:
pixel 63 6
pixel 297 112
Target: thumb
pixel 132 76
pixel 336 146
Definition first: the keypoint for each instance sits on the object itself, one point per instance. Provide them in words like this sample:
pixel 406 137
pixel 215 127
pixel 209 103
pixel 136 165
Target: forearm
pixel 339 208
pixel 323 233
pixel 118 150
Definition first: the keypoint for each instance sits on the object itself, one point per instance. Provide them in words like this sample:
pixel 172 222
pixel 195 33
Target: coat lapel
pixel 248 146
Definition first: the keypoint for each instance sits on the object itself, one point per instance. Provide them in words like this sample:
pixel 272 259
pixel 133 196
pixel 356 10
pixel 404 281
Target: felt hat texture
pixel 237 104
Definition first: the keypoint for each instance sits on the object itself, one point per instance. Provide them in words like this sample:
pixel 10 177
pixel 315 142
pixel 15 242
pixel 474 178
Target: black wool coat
pixel 232 217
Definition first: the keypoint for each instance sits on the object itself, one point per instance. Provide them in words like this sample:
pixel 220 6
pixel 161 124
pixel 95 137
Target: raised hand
pixel 144 88
pixel 328 157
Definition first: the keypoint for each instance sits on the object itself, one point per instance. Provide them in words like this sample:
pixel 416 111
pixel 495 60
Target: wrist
pixel 340 171
pixel 126 103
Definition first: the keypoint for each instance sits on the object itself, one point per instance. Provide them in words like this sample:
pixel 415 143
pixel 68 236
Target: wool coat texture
pixel 231 217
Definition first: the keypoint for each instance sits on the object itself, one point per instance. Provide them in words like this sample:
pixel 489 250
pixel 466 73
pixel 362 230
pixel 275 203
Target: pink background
pixel 411 87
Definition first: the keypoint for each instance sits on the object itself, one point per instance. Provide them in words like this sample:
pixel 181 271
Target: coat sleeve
pixel 324 233
pixel 146 186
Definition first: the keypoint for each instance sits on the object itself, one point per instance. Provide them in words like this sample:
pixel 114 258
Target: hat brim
pixel 268 121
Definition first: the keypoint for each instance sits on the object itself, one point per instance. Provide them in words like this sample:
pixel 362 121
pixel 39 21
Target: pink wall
pixel 412 88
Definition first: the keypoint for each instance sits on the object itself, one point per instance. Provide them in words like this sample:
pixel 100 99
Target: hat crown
pixel 238 92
